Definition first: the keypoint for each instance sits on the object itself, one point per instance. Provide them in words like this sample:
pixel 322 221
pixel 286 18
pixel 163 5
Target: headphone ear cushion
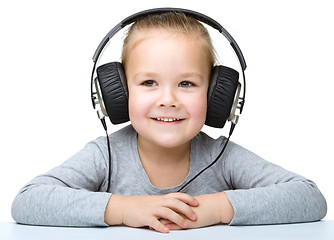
pixel 114 90
pixel 221 92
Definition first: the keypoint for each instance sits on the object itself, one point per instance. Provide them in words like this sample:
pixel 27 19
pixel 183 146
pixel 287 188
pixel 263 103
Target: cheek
pixel 198 106
pixel 138 105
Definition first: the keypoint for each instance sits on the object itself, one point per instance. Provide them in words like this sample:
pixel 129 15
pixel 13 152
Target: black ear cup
pixel 114 91
pixel 222 88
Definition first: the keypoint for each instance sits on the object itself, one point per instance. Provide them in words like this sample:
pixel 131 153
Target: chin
pixel 167 137
pixel 170 142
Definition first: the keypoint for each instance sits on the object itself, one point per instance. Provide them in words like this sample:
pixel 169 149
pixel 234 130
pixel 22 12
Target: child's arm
pixel 139 211
pixel 72 194
pixel 265 193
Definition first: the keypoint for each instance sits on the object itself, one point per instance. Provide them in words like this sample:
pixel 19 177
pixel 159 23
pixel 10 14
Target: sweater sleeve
pixel 264 193
pixel 68 195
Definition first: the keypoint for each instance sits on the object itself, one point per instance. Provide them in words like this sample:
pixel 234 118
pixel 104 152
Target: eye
pixel 149 83
pixel 185 84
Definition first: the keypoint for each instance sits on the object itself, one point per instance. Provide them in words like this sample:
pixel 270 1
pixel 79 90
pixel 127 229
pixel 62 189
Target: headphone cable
pixel 213 162
pixel 103 121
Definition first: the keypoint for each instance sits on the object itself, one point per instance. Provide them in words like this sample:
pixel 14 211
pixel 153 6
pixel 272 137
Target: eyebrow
pixel 192 74
pixel 145 74
pixel 182 75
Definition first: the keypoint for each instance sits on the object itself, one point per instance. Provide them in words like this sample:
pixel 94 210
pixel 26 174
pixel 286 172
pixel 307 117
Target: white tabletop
pixel 304 231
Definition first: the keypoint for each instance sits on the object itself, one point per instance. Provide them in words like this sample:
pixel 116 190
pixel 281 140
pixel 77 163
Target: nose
pixel 168 98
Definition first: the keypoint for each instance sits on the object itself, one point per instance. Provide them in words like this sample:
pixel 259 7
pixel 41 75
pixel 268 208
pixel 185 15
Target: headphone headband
pixel 198 16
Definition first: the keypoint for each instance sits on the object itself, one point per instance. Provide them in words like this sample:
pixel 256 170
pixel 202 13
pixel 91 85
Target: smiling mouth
pixel 161 119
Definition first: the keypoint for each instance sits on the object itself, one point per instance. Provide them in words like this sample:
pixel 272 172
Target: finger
pixel 169 214
pixel 155 224
pixel 180 207
pixel 170 225
pixel 184 198
pixel 165 221
pixel 173 226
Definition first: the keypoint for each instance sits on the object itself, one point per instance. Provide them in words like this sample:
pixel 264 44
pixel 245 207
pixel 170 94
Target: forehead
pixel 143 34
pixel 147 45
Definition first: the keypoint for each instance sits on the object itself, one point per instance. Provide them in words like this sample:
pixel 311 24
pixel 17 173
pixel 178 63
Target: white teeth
pixel 168 119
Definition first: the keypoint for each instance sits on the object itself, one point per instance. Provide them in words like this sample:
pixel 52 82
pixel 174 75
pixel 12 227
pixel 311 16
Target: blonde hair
pixel 173 21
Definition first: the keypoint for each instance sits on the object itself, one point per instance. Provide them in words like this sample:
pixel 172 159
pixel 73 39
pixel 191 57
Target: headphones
pixel 109 91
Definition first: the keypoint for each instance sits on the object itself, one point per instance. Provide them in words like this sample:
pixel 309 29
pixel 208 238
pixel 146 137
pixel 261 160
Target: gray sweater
pixel 75 193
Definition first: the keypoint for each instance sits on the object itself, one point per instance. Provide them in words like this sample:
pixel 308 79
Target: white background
pixel 46 51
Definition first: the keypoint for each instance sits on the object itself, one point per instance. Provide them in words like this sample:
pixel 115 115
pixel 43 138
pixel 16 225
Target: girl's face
pixel 168 78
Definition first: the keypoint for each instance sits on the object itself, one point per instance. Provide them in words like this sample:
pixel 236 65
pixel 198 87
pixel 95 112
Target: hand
pixel 212 209
pixel 139 211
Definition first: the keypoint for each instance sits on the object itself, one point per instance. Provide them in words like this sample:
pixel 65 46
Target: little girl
pixel 167 59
